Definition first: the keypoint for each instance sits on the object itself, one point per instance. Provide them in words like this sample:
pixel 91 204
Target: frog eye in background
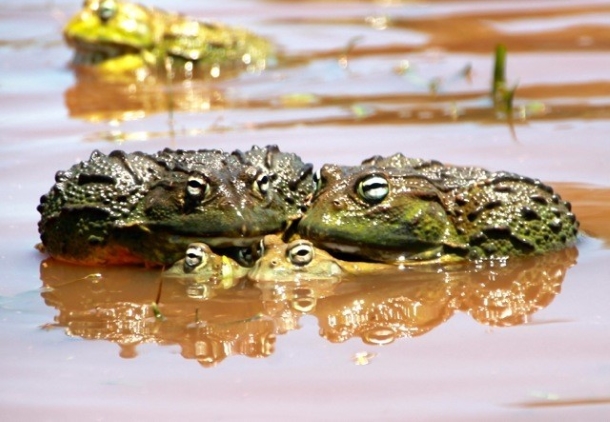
pixel 373 188
pixel 195 257
pixel 245 256
pixel 301 253
pixel 318 181
pixel 262 183
pixel 197 188
pixel 106 10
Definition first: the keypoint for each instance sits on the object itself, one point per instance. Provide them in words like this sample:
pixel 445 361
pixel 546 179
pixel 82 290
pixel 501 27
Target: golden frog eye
pixel 373 188
pixel 301 253
pixel 195 257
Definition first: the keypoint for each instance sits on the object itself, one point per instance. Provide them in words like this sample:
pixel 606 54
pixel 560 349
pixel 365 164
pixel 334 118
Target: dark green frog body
pixel 147 208
pixel 399 209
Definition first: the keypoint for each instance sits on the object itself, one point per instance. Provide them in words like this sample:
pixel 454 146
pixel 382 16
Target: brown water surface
pixel 528 339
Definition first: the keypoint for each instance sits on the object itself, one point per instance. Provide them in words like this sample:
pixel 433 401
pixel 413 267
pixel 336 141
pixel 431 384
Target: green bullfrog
pixel 116 36
pixel 126 208
pixel 403 210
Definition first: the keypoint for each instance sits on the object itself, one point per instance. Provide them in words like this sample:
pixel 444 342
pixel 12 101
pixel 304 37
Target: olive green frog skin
pixel 136 208
pixel 405 210
pixel 116 36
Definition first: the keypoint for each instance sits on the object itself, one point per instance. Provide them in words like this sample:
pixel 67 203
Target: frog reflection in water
pixel 116 305
pixel 400 209
pixel 116 36
pixel 492 293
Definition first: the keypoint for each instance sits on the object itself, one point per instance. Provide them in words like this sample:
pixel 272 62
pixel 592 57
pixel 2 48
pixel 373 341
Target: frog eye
pixel 197 187
pixel 373 188
pixel 106 10
pixel 317 180
pixel 262 183
pixel 245 256
pixel 195 256
pixel 301 253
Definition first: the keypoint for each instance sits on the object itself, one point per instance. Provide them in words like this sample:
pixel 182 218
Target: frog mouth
pixel 340 247
pixel 88 53
pixel 226 242
pixel 400 255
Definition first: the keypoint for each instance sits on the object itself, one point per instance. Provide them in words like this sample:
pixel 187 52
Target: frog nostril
pixel 338 204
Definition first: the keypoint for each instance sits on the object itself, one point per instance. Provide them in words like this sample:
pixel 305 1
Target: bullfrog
pixel 283 174
pixel 125 208
pixel 202 265
pixel 277 261
pixel 300 260
pixel 116 36
pixel 403 210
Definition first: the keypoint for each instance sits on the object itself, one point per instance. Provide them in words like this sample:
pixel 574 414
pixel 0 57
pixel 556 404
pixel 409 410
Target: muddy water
pixel 529 340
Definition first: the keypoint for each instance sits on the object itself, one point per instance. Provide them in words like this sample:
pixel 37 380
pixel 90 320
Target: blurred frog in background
pixel 119 37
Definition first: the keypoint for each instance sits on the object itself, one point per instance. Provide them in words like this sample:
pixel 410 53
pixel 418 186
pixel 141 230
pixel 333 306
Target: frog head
pixel 379 214
pixel 296 261
pixel 113 34
pixel 202 266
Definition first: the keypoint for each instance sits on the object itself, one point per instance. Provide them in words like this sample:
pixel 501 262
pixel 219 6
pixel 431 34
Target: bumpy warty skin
pixel 147 208
pixel 91 198
pixel 124 208
pixel 399 209
pixel 291 178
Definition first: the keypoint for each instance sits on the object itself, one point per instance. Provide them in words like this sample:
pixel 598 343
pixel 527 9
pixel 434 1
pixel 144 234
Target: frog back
pixel 511 215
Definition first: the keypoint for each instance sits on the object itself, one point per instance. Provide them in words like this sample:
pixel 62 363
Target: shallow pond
pixel 529 340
